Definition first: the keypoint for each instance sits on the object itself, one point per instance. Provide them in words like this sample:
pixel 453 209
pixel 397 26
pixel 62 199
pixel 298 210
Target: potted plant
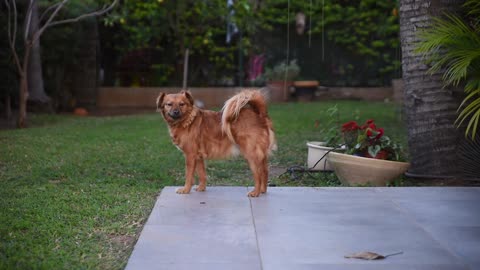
pixel 279 79
pixel 318 151
pixel 371 156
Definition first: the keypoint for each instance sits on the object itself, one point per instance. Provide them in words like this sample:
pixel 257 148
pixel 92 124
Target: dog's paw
pixel 200 188
pixel 253 193
pixel 183 190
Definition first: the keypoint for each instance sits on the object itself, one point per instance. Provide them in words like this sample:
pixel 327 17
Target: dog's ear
pixel 189 96
pixel 160 102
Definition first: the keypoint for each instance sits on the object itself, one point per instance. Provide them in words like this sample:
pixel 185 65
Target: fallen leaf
pixel 367 255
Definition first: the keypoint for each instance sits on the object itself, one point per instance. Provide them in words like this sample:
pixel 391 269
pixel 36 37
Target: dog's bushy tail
pixel 231 110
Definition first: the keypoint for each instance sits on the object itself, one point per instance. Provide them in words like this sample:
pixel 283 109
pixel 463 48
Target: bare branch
pixel 12 38
pixel 37 34
pixel 48 10
pixel 49 22
pixel 9 28
pixel 28 20
pixel 83 16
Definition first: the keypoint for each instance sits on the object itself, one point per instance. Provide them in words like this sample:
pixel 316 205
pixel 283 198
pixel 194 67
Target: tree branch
pixel 11 39
pixel 50 22
pixel 9 27
pixel 83 16
pixel 47 10
pixel 28 19
pixel 37 34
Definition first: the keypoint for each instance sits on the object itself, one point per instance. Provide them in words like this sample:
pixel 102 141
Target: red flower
pixel 350 126
pixel 369 124
pixel 369 132
pixel 380 133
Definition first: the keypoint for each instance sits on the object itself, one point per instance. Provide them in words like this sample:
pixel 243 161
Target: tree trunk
pixel 23 90
pixel 430 108
pixel 22 105
pixel 35 87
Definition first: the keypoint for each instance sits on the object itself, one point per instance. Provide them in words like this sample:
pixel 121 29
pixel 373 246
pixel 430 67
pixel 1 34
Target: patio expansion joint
pixel 421 227
pixel 256 234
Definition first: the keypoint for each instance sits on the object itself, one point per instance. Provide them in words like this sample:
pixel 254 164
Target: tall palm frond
pixel 453 45
pixel 473 7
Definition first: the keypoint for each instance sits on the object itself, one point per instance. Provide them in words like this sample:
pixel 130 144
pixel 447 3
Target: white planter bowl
pixel 354 170
pixel 316 150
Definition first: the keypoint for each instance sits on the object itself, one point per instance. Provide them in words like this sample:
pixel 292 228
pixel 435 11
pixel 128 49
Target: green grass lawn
pixel 75 192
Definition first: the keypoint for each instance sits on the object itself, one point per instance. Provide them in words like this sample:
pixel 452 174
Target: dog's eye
pixel 169 104
pixel 182 104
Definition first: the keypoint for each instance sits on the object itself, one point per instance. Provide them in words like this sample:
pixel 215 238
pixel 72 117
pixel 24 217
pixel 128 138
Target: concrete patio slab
pixel 312 228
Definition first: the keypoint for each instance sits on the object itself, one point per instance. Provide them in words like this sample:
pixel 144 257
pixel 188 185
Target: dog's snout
pixel 175 113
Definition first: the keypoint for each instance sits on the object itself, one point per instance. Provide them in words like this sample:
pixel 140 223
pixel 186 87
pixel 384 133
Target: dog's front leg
pixel 190 164
pixel 202 174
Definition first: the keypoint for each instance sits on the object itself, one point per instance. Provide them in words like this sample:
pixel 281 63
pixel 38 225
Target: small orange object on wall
pixel 80 112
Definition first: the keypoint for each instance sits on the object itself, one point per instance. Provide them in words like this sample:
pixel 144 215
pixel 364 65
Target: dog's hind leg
pixel 256 177
pixel 264 176
pixel 190 164
pixel 259 170
pixel 202 175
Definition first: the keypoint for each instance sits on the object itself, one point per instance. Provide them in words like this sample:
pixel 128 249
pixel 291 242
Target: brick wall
pixel 214 97
pixel 145 97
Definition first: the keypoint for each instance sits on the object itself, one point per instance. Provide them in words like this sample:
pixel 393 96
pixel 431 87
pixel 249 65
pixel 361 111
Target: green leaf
pixel 373 150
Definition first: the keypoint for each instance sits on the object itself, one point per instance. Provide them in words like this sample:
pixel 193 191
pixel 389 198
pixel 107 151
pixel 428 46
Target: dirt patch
pixel 122 240
pixel 276 171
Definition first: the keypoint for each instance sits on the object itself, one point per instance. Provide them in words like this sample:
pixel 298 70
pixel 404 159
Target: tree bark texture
pixel 430 108
pixel 35 78
pixel 23 95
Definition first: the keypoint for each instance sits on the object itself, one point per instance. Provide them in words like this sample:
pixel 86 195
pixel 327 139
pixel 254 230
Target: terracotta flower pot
pixel 355 170
pixel 278 90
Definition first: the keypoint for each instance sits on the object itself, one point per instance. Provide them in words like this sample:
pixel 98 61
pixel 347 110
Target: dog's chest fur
pixel 203 137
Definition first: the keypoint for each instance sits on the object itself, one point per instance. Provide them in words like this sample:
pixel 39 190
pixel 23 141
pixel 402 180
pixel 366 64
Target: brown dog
pixel 243 126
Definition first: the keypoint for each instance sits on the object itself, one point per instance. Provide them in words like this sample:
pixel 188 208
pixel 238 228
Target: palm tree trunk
pixel 430 108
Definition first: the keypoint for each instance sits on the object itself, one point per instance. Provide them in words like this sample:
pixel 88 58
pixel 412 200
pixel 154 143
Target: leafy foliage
pixel 368 29
pixel 282 71
pixel 452 45
pixel 369 141
pixel 331 129
pixel 170 27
